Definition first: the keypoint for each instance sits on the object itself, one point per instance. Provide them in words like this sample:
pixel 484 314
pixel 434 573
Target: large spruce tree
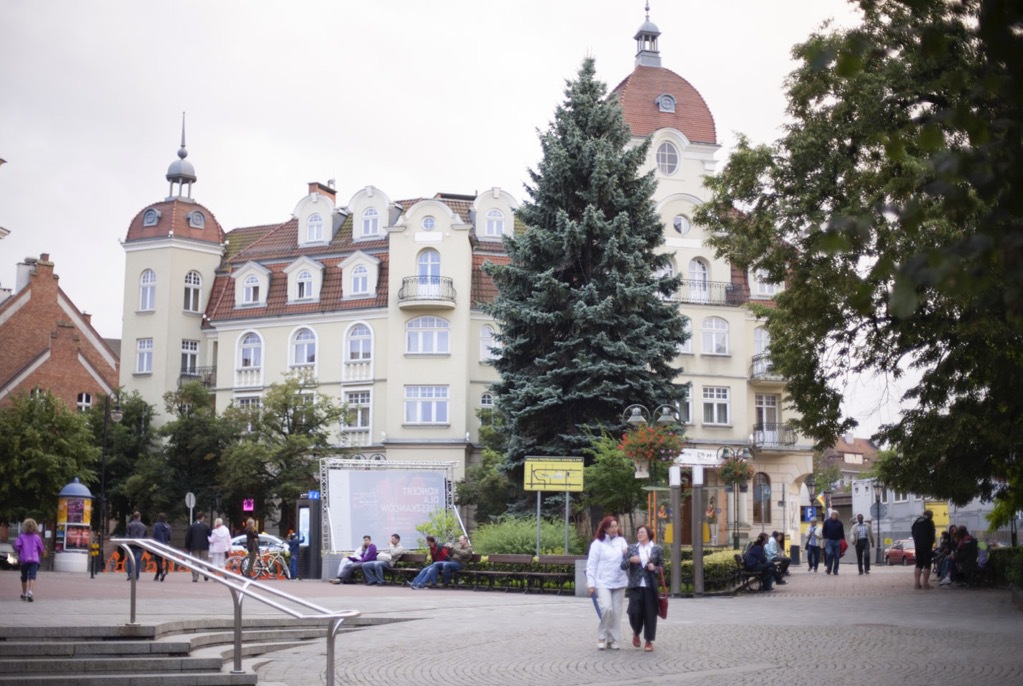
pixel 586 328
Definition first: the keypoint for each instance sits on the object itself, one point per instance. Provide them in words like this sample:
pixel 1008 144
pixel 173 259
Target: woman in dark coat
pixel 644 562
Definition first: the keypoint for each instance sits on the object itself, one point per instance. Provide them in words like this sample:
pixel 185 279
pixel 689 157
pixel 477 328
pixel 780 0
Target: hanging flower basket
pixel 649 446
pixel 735 471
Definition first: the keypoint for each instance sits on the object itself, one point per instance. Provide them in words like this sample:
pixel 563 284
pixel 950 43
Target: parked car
pixel 902 552
pixel 8 558
pixel 266 543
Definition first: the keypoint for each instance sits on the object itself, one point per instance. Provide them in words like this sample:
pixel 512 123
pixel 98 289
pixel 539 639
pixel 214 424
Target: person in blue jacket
pixel 294 542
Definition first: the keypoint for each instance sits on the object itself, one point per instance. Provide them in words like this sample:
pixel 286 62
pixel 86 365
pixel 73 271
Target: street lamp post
pixel 667 416
pixel 116 415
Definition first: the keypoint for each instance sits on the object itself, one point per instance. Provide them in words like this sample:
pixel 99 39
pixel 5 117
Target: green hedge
pixel 1007 566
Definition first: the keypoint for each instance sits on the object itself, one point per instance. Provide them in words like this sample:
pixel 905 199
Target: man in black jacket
pixel 923 541
pixel 197 542
pixel 833 533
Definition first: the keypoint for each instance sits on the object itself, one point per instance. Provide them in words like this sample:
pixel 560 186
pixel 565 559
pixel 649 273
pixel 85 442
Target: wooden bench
pixel 504 571
pixel 747 580
pixel 406 568
pixel 551 569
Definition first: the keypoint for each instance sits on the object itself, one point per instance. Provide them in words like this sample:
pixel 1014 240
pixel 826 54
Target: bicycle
pixel 270 564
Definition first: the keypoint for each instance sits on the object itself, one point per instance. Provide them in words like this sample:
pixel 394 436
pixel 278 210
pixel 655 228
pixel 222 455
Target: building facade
pixel 49 344
pixel 379 300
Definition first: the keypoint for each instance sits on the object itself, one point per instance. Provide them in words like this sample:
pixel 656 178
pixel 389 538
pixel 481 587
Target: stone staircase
pixel 184 653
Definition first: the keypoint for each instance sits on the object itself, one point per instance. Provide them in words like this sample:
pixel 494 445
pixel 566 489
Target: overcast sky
pixel 411 96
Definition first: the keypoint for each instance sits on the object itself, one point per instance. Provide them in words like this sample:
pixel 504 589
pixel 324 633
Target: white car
pixel 266 543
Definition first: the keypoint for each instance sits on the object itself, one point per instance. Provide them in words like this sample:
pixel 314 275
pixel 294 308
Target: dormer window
pixel 495 224
pixel 370 222
pixel 251 290
pixel 665 102
pixel 304 282
pixel 314 229
pixel 197 220
pixel 151 217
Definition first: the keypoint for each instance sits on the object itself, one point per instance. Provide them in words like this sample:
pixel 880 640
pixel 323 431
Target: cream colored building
pixel 379 300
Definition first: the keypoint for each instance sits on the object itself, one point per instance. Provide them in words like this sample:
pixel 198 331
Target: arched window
pixel 314 229
pixel 487 343
pixel 667 158
pixel 715 336
pixel 487 400
pixel 428 271
pixel 193 291
pixel 304 283
pixel 147 291
pixel 360 344
pixel 495 223
pixel 427 336
pixel 699 281
pixel 360 281
pixel 304 348
pixel 370 222
pixel 251 356
pixel 761 498
pixel 251 290
pixel 84 401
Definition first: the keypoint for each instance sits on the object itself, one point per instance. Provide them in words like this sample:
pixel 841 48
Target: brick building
pixel 49 344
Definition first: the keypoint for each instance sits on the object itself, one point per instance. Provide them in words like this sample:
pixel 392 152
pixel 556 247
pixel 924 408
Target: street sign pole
pixel 190 504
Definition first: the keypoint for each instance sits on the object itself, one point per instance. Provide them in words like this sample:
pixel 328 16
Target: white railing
pixel 358 371
pixel 248 377
pixel 241 587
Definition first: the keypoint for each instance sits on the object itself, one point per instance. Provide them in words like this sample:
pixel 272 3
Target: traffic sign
pixel 190 500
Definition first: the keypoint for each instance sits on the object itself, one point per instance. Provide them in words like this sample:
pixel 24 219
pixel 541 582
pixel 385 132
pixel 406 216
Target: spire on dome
pixel 181 171
pixel 647 54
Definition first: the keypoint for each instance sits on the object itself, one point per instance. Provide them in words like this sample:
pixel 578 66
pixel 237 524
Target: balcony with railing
pixel 207 376
pixel 762 369
pixel 773 436
pixel 426 292
pixel 699 292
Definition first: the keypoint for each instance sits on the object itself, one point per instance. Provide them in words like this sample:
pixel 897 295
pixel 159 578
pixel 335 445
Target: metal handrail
pixel 241 587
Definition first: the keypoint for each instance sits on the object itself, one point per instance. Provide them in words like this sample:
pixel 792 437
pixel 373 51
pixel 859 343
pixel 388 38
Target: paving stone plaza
pixel 850 629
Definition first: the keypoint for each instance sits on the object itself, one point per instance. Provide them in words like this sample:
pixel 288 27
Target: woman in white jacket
pixel 220 543
pixel 606 581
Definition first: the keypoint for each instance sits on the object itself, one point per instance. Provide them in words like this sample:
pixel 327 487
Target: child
pixel 294 541
pixel 29 548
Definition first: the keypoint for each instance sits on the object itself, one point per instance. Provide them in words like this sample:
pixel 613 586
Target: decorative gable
pixel 305 280
pixel 251 285
pixel 360 274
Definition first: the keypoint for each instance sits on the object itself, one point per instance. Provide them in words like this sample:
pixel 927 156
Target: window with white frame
pixel 761 286
pixel 699 281
pixel 426 404
pixel 715 336
pixel 487 401
pixel 250 290
pixel 716 405
pixel 360 344
pixel 314 229
pixel 250 406
pixel 427 336
pixel 358 405
pixel 487 343
pixel 193 291
pixel 144 356
pixel 84 401
pixel 360 280
pixel 667 158
pixel 686 347
pixel 428 272
pixel 251 351
pixel 495 223
pixel 304 284
pixel 304 348
pixel 147 291
pixel 189 356
pixel 685 410
pixel 370 222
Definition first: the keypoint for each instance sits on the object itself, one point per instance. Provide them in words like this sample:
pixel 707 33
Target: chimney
pixel 25 270
pixel 326 191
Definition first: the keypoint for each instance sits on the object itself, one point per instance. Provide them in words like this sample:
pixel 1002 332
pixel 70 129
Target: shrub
pixel 442 525
pixel 513 535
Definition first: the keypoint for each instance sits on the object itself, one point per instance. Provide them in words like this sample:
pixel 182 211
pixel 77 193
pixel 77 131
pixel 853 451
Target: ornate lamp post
pixel 667 417
pixel 116 415
pixel 735 470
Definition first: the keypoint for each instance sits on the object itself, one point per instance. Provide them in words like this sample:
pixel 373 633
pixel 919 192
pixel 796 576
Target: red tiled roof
pixel 484 290
pixel 691 116
pixel 174 217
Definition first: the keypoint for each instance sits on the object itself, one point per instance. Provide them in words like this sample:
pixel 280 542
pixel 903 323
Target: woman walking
pixel 606 580
pixel 645 564
pixel 220 543
pixel 251 545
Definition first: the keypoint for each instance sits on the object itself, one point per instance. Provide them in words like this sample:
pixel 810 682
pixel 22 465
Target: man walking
pixel 863 539
pixel 197 542
pixel 923 539
pixel 833 533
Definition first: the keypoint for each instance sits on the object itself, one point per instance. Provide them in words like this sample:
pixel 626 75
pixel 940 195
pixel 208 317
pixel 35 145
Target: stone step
pixel 22 649
pixel 112 665
pixel 148 679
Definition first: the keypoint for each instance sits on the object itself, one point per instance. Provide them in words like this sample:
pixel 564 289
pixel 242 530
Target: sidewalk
pixel 842 630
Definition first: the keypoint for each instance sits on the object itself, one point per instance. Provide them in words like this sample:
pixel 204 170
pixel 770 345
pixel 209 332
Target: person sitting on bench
pixel 367 553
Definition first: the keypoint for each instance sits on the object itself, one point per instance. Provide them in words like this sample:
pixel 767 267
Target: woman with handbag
pixel 644 561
